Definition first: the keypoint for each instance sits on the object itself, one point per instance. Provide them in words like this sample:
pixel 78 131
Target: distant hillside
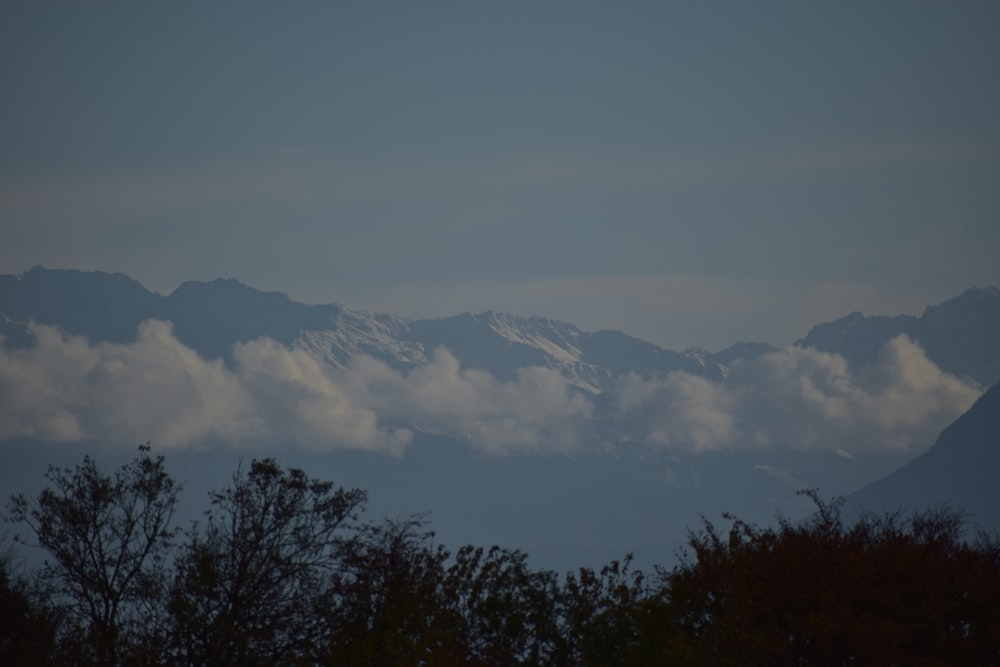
pixel 961 470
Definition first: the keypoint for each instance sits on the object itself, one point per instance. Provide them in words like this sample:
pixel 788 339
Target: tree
pixel 889 590
pixel 108 537
pixel 506 613
pixel 27 633
pixel 248 586
pixel 385 605
pixel 604 613
pixel 401 599
pixel 281 574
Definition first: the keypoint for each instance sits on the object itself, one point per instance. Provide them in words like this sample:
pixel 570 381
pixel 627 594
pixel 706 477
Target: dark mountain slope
pixel 100 306
pixel 960 470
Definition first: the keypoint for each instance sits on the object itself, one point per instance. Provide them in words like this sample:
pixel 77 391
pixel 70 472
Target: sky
pixel 694 174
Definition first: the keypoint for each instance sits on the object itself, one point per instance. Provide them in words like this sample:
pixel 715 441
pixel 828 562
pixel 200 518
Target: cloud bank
pixel 66 389
pixel 803 399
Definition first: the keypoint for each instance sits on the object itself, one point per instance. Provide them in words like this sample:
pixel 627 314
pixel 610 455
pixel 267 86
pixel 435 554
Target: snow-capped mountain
pixel 524 431
pixel 961 335
pixel 211 317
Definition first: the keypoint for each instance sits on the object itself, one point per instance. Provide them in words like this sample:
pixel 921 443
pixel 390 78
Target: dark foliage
pixel 282 573
pixel 505 613
pixel 27 635
pixel 384 605
pixel 882 590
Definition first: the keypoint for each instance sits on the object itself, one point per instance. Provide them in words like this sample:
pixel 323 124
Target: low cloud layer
pixel 803 399
pixel 66 389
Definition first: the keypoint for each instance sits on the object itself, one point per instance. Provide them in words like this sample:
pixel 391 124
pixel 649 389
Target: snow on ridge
pixel 355 332
pixel 539 333
pixel 706 360
pixel 403 344
pixel 558 341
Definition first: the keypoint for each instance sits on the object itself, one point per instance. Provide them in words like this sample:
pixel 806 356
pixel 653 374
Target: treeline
pixel 282 570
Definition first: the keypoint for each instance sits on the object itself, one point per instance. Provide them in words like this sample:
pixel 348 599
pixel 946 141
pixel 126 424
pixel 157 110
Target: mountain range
pixel 523 431
pixel 210 317
pixel 960 335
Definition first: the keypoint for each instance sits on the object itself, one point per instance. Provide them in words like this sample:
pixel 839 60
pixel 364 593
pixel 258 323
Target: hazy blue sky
pixel 691 173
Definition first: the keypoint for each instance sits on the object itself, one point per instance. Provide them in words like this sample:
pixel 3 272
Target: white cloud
pixel 38 396
pixel 534 412
pixel 680 411
pixel 302 399
pixel 65 389
pixel 804 399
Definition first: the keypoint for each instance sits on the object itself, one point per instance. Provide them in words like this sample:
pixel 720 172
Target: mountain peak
pixel 974 297
pixel 40 275
pixel 961 335
pixel 230 286
pixel 95 304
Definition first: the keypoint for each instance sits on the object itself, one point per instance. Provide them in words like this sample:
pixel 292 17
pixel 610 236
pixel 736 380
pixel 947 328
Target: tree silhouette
pixel 108 537
pixel 506 613
pixel 602 613
pixel 27 634
pixel 281 573
pixel 887 590
pixel 385 604
pixel 248 584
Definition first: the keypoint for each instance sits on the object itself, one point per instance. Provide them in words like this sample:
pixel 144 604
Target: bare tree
pixel 108 538
pixel 247 584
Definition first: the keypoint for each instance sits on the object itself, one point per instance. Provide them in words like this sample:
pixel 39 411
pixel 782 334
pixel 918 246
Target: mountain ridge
pixel 212 316
pixel 638 399
pixel 961 334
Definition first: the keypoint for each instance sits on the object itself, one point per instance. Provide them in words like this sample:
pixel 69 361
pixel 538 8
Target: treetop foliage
pixel 282 570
